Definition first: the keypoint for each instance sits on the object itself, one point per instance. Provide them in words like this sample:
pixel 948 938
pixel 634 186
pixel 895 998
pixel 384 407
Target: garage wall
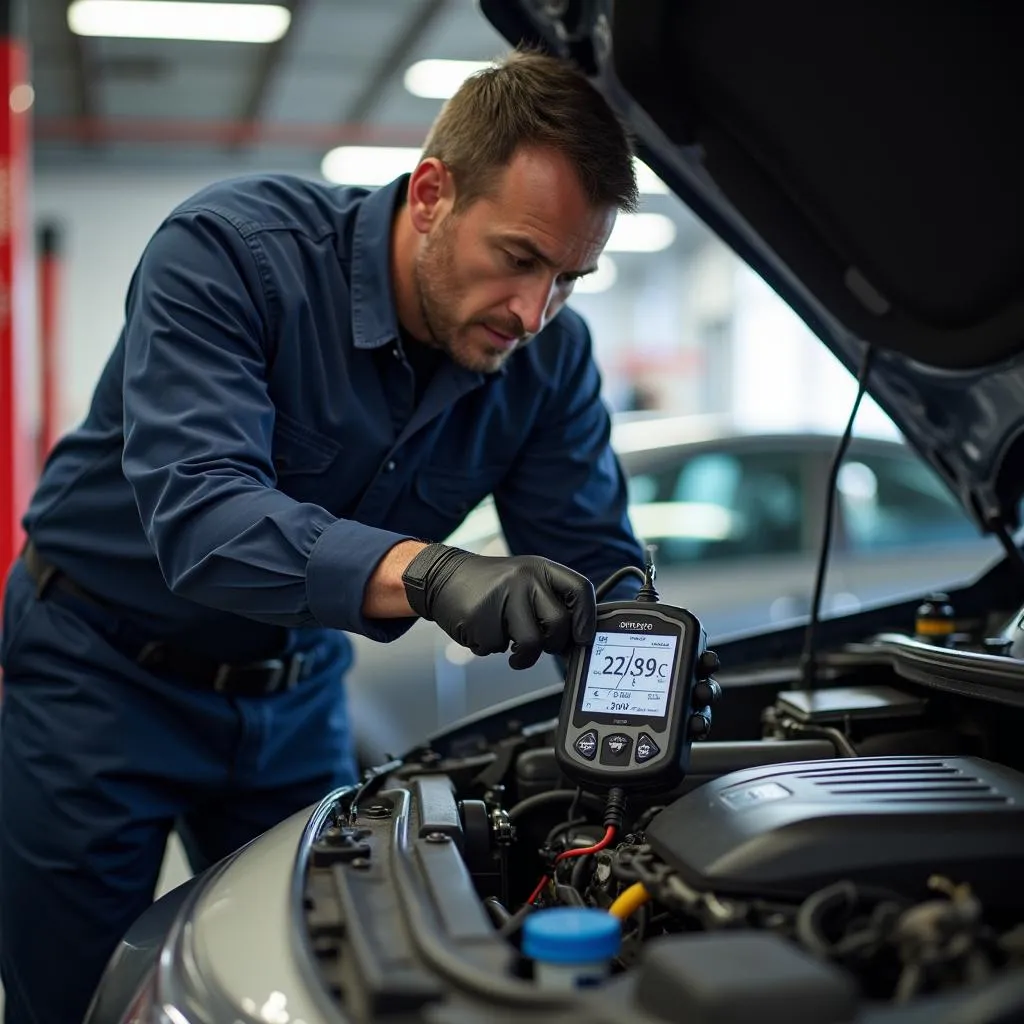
pixel 107 220
pixel 713 336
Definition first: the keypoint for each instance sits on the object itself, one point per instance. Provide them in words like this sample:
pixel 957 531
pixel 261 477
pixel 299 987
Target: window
pixel 721 505
pixel 890 501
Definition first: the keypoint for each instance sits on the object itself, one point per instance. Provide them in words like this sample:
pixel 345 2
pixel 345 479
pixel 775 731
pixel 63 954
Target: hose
pixel 497 911
pixel 531 803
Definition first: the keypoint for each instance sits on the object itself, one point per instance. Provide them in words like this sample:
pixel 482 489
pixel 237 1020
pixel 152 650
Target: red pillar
pixel 16 456
pixel 49 250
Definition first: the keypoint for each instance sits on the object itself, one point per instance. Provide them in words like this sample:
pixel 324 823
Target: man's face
pixel 491 276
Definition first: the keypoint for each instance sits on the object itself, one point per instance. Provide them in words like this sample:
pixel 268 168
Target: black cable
pixel 647 817
pixel 648 592
pixel 579 869
pixel 809 918
pixel 617 577
pixel 372 781
pixel 838 739
pixel 553 796
pixel 558 830
pixel 575 805
pixel 1013 552
pixel 808 661
pixel 615 808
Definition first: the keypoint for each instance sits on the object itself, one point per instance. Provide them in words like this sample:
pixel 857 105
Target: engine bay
pixel 850 851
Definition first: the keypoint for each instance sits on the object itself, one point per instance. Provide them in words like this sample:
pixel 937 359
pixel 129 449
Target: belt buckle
pixel 286 671
pixel 294 666
pixel 222 677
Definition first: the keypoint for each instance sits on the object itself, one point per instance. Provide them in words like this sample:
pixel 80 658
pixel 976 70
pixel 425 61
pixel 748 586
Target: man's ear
pixel 431 194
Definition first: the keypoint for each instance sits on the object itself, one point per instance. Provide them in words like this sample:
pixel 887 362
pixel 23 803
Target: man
pixel 312 387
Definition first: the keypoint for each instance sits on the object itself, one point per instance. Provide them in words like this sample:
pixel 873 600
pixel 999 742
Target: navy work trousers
pixel 100 759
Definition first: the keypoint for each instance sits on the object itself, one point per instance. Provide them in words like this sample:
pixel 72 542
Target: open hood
pixel 864 161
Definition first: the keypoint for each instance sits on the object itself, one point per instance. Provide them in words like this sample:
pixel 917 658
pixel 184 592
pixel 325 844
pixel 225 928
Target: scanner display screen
pixel 629 674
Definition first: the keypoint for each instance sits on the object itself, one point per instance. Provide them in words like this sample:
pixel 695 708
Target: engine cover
pixel 786 830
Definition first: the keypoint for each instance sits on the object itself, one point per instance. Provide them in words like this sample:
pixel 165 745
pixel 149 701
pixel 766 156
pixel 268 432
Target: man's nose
pixel 531 304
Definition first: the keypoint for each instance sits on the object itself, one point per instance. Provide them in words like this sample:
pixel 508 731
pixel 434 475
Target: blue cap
pixel 571 935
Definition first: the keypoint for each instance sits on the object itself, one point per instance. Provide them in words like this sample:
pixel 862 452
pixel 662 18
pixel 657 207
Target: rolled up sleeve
pixel 198 442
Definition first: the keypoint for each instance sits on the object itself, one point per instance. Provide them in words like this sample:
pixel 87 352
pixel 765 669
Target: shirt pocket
pixel 302 458
pixel 446 496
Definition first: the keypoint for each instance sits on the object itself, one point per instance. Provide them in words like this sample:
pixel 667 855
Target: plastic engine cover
pixel 787 830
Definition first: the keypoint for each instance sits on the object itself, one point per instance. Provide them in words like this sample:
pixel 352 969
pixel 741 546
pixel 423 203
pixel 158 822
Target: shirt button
pixel 389 466
pixel 396 352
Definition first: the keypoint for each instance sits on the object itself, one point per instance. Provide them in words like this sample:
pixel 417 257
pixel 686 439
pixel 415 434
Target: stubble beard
pixel 434 274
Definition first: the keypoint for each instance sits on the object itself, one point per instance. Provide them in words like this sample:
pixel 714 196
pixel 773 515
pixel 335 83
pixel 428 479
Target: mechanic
pixel 313 386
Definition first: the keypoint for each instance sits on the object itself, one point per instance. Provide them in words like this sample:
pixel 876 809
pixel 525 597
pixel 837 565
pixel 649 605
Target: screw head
pixel 437 837
pixel 377 811
pixel 360 864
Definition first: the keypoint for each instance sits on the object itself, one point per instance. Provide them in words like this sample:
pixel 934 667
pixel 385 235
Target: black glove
pixel 485 603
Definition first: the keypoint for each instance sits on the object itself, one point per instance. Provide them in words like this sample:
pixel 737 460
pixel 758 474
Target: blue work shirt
pixel 254 445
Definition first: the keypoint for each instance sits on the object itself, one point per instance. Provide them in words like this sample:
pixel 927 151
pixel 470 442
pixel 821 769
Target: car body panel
pixel 227 941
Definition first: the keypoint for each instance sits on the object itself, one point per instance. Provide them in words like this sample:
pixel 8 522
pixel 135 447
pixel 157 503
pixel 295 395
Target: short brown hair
pixel 532 99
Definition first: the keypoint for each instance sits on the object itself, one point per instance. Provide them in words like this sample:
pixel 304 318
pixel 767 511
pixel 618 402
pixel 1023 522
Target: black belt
pixel 247 679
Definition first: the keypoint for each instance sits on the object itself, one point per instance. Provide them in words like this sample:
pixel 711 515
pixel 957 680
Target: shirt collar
pixel 374 318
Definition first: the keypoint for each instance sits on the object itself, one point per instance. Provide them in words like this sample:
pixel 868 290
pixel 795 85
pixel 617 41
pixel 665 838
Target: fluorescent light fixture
pixel 647 181
pixel 600 280
pixel 377 165
pixel 641 232
pixel 440 79
pixel 171 19
pixel 368 165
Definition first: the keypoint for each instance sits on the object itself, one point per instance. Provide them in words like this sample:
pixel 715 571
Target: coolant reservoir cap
pixel 571 935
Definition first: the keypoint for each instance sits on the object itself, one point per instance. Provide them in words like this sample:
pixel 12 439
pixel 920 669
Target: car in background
pixel 736 519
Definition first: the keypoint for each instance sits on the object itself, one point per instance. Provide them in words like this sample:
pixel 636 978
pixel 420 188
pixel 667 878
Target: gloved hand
pixel 486 603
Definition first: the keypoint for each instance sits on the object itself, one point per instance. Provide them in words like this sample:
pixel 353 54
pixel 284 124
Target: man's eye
pixel 520 262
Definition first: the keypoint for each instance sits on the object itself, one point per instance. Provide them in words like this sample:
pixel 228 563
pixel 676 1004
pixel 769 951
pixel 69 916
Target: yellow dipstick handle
pixel 629 902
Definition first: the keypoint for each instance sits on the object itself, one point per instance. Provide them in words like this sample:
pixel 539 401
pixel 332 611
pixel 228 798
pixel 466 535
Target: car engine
pixel 853 851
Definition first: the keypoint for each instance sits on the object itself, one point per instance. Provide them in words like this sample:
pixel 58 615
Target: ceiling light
pixel 21 98
pixel 368 165
pixel 170 19
pixel 641 232
pixel 378 165
pixel 600 280
pixel 440 79
pixel 647 181
pixel 683 520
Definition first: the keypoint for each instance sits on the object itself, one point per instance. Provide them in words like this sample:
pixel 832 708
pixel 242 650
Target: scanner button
pixel 586 745
pixel 646 748
pixel 616 748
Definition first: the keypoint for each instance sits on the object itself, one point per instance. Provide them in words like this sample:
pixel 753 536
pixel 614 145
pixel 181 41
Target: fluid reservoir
pixel 935 622
pixel 571 947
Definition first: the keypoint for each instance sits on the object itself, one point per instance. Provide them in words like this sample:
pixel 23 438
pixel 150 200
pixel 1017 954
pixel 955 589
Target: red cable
pixel 565 855
pixel 596 848
pixel 536 892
